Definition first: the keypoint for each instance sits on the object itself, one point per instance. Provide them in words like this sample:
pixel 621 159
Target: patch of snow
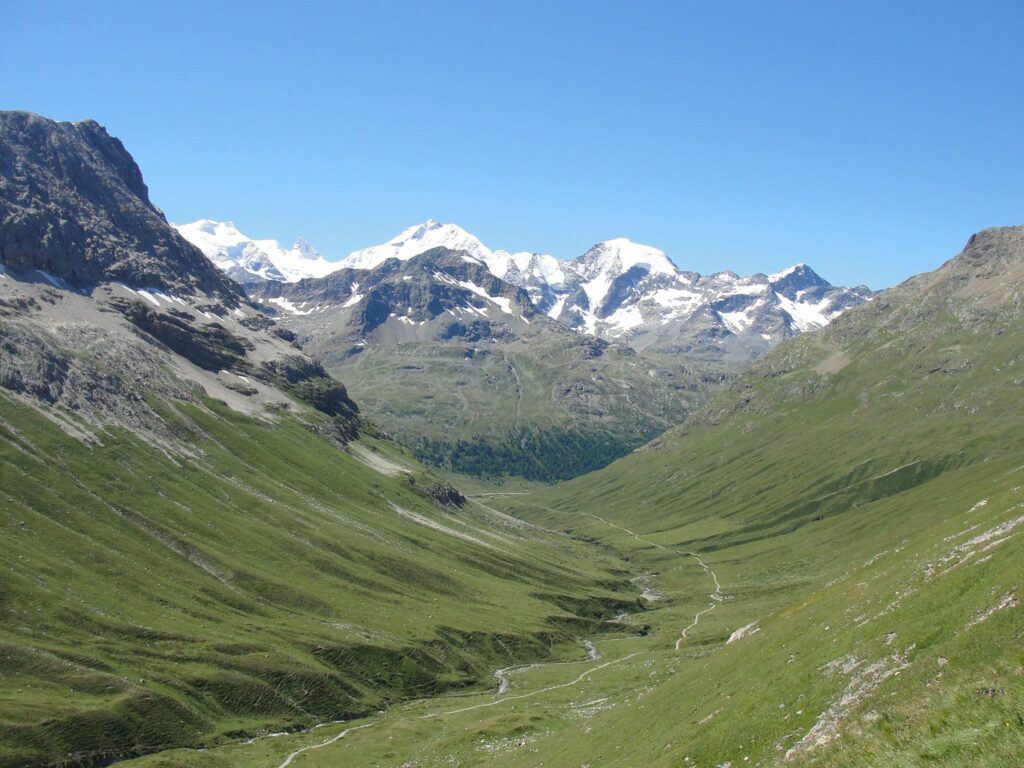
pixel 597 289
pixel 148 297
pixel 776 276
pixel 737 322
pixel 625 318
pixel 288 306
pixel 556 308
pixel 354 299
pixel 806 317
pixel 503 303
pixel 227 247
pixel 416 240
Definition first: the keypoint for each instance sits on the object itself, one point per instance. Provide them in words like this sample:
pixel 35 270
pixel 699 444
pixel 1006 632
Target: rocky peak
pixel 73 204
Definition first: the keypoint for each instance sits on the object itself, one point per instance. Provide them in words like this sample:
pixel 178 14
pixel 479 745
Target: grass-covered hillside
pixel 255 577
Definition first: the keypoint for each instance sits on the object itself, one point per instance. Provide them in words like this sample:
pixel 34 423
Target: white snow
pixel 597 289
pixel 741 287
pixel 776 276
pixel 736 322
pixel 536 266
pixel 416 240
pixel 56 282
pixel 806 317
pixel 227 247
pixel 624 254
pixel 625 318
pixel 354 299
pixel 288 306
pixel 556 308
pixel 148 297
pixel 504 304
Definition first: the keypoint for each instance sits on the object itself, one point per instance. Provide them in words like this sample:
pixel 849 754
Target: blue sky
pixel 867 139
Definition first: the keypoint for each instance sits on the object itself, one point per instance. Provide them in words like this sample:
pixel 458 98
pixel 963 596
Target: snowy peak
pixel 303 250
pixel 248 260
pixel 798 279
pixel 416 240
pixel 619 255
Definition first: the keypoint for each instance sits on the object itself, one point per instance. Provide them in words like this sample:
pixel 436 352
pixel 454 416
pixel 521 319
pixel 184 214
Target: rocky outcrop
pixel 73 205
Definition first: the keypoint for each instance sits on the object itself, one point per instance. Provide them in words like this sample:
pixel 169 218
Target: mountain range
pixel 618 290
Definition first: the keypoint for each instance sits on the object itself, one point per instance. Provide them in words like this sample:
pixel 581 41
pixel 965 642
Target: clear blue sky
pixel 867 139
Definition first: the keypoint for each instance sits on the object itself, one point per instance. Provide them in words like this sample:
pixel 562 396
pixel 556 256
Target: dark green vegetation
pixel 534 454
pixel 253 577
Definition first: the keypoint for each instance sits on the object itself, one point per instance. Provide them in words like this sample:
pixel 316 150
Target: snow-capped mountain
pixel 618 290
pixel 248 260
pixel 525 269
pixel 722 316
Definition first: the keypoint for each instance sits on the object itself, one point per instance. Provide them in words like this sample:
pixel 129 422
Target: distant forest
pixel 545 455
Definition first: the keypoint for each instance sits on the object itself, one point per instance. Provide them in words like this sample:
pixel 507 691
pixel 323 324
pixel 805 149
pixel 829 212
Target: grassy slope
pixel 265 582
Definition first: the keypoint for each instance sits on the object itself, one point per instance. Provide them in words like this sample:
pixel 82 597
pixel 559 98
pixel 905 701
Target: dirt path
pixel 376 462
pixel 339 737
pixel 716 595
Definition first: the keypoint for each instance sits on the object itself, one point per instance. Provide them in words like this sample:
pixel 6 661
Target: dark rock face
pixel 411 288
pixel 210 346
pixel 307 380
pixel 73 204
pixel 446 494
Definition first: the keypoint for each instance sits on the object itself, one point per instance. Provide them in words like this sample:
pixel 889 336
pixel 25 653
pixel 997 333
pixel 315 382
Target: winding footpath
pixel 716 596
pixel 502 675
pixel 592 653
